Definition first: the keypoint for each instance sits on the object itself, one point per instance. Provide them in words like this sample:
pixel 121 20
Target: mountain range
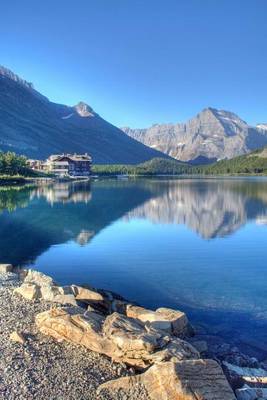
pixel 32 125
pixel 211 135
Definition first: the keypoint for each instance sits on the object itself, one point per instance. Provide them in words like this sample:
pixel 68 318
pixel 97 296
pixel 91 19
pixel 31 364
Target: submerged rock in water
pixel 200 345
pixel 241 375
pixel 249 393
pixel 197 379
pixel 119 337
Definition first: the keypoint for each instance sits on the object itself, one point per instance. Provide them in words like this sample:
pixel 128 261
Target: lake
pixel 199 245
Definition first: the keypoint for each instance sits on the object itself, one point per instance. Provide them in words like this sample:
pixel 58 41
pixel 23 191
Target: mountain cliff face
pixel 32 125
pixel 211 135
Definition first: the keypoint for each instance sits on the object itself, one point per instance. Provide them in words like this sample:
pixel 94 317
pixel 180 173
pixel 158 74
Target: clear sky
pixel 139 62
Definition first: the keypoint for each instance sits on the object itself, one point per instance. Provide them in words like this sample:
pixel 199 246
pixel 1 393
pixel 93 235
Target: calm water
pixel 195 244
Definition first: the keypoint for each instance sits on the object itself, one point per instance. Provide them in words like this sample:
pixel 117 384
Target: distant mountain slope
pixel 252 163
pixel 211 135
pixel 32 125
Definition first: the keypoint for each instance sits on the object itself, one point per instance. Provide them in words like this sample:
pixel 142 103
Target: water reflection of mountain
pixel 56 214
pixel 33 219
pixel 212 208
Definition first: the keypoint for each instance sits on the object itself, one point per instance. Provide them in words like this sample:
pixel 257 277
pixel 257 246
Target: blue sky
pixel 139 62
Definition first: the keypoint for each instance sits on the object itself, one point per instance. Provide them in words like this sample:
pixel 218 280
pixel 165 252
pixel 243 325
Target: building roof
pixel 72 157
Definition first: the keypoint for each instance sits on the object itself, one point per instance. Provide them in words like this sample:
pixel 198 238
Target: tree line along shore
pixel 14 168
pixel 252 164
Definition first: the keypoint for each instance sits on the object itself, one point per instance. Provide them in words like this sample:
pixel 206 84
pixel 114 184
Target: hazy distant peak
pixel 262 126
pixel 5 72
pixel 84 110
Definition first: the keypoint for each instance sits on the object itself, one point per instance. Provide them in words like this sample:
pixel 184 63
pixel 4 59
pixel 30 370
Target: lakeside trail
pixel 46 348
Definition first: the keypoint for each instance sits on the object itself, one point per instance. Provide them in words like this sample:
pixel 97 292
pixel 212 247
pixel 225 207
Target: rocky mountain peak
pixel 84 110
pixel 7 73
pixel 206 114
pixel 211 134
pixel 212 121
pixel 209 110
pixel 222 115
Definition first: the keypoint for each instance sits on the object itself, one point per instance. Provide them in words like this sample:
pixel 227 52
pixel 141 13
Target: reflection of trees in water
pixel 210 208
pixel 35 228
pixel 13 197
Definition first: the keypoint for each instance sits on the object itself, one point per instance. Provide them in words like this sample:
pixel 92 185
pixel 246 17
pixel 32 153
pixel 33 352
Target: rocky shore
pixel 77 342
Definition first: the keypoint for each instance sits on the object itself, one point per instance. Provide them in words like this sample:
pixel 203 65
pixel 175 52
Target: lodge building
pixel 72 165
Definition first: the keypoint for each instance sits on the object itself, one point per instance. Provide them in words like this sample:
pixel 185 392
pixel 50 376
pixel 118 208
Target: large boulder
pixel 38 286
pixel 135 341
pixel 72 325
pixel 55 294
pixel 37 277
pixel 178 319
pixel 86 294
pixel 28 291
pixel 194 379
pixel 119 337
pixel 166 319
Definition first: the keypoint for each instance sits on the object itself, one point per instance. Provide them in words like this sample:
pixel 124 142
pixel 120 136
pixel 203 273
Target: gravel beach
pixel 42 368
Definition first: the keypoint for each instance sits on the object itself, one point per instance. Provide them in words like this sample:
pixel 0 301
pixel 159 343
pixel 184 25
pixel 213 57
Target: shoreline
pixel 21 181
pixel 19 314
pixel 43 368
pixel 25 180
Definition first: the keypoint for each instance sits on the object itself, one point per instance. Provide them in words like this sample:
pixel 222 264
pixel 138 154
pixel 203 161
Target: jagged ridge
pixel 211 135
